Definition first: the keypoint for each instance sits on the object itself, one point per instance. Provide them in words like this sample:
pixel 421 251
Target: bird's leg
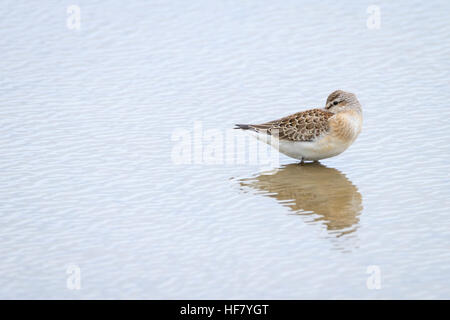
pixel 302 162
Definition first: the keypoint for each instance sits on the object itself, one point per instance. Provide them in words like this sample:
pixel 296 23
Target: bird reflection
pixel 313 188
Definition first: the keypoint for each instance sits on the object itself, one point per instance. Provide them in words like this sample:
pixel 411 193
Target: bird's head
pixel 339 101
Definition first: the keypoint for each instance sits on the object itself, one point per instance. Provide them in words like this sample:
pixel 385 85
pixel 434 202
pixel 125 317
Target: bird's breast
pixel 346 126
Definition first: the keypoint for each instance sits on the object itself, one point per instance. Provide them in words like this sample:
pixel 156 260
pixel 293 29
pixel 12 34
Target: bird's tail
pixel 242 126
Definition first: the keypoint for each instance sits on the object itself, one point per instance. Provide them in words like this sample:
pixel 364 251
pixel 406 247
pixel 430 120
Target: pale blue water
pixel 87 119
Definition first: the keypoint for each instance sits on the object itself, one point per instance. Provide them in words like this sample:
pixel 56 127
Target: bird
pixel 314 134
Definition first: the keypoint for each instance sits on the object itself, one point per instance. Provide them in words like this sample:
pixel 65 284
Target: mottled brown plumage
pixel 301 126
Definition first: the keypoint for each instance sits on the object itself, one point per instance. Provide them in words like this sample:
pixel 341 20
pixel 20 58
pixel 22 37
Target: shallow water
pixel 88 119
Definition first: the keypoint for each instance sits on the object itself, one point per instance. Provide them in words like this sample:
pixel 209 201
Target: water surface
pixel 87 121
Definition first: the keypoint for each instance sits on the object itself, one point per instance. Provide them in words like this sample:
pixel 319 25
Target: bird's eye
pixel 335 103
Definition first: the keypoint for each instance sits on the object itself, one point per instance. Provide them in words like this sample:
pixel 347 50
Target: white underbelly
pixel 321 148
pixel 315 150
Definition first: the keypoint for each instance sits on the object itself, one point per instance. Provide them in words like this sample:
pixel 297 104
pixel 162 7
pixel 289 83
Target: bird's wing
pixel 301 126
